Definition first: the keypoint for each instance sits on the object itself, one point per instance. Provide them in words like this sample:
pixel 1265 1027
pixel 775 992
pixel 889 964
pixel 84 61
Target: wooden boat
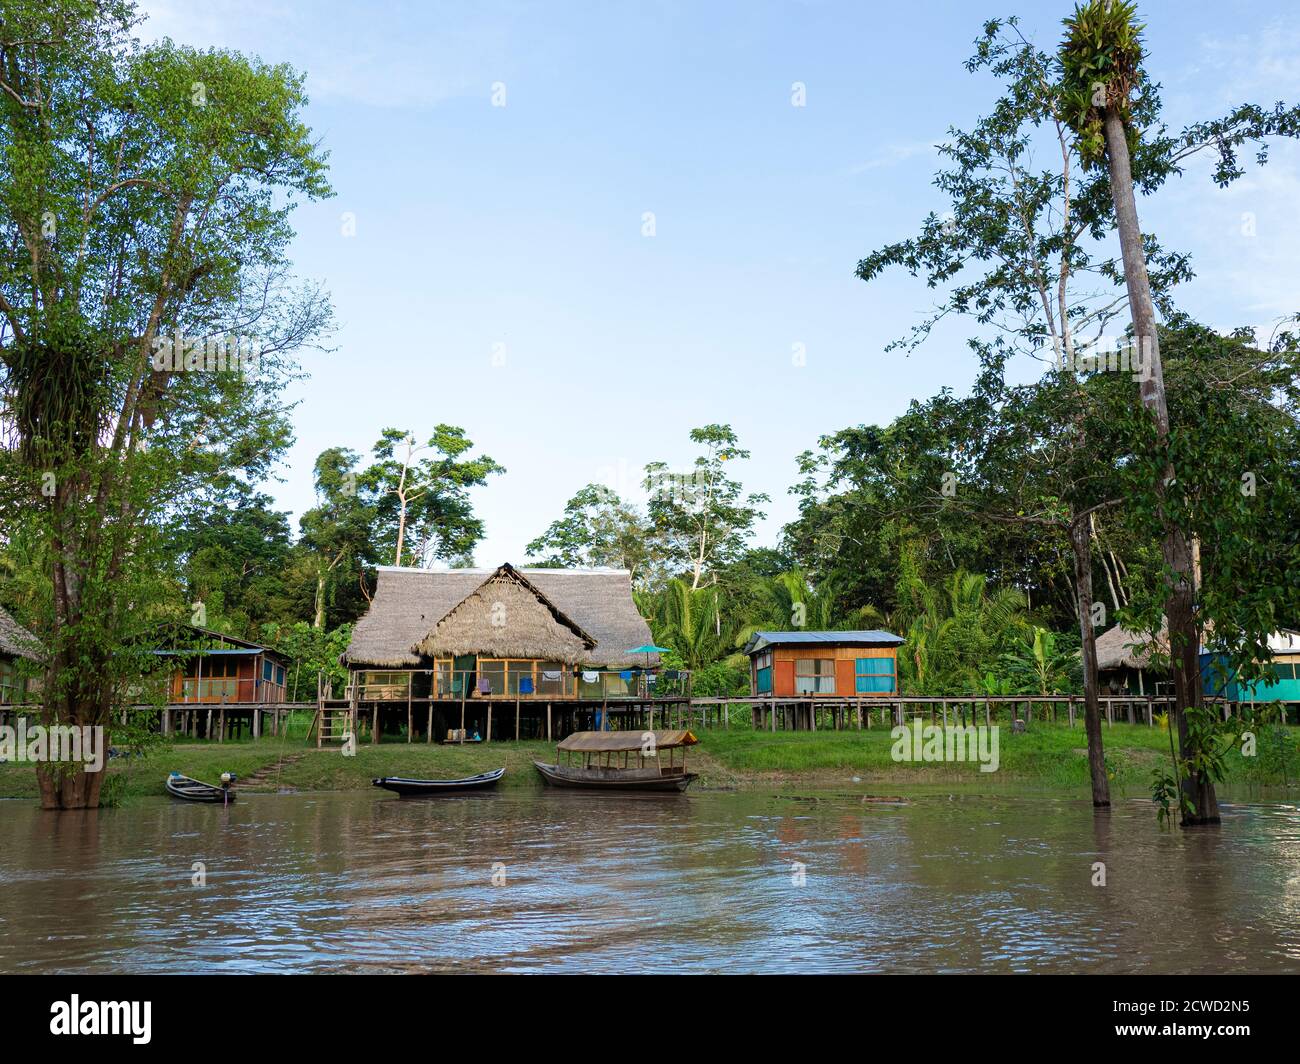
pixel 409 788
pixel 191 790
pixel 599 769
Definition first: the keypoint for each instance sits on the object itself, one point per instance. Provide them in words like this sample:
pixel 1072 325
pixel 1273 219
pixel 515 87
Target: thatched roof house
pixel 16 641
pixel 574 616
pixel 1118 648
pixel 1136 663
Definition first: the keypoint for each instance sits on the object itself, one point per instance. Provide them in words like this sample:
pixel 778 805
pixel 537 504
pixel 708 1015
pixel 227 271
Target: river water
pixel 705 882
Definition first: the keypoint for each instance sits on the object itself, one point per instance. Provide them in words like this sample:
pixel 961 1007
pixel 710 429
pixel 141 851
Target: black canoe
pixel 623 780
pixel 415 788
pixel 179 786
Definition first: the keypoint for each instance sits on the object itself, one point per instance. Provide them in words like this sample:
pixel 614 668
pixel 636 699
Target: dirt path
pixel 268 775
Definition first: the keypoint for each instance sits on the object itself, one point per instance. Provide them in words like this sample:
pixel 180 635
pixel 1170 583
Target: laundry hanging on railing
pixel 591 677
pixel 525 685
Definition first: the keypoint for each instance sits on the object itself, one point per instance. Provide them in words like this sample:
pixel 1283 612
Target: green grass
pixel 1050 755
pixel 1046 754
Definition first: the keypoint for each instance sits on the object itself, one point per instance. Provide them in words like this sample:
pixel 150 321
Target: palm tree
pixel 1101 60
pixel 689 620
pixel 953 630
pixel 799 604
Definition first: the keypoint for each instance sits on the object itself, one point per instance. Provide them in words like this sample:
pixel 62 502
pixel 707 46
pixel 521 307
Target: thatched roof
pixel 16 641
pixel 507 616
pixel 578 616
pixel 1118 648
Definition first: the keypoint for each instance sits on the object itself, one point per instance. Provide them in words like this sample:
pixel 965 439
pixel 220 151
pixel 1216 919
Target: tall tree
pixel 337 533
pixel 421 494
pixel 1101 58
pixel 1023 254
pixel 147 195
pixel 702 517
pixel 232 556
pixel 598 529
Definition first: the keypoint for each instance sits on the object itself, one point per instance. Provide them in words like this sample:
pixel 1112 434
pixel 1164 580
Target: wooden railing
pixel 453 685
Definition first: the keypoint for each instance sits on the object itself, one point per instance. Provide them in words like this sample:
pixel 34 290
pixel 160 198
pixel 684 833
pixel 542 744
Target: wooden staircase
pixel 332 724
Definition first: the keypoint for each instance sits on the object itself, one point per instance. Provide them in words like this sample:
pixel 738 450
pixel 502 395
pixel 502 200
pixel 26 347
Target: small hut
pixel 1282 686
pixel 17 645
pixel 214 668
pixel 1133 663
pixel 824 664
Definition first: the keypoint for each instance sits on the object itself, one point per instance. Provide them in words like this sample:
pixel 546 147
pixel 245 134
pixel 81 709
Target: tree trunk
pixel 74 695
pixel 319 621
pixel 1184 640
pixel 1080 543
pixel 68 786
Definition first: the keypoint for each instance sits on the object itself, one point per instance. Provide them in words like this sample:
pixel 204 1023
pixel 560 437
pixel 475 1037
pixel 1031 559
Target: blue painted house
pixel 1284 664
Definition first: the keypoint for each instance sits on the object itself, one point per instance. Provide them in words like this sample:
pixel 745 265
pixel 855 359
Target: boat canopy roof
pixel 624 741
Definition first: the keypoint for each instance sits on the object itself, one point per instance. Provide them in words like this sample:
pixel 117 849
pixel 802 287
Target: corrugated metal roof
pixel 872 638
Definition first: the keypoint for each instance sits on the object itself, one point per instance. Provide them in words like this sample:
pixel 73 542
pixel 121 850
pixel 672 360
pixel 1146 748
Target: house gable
pixel 507 617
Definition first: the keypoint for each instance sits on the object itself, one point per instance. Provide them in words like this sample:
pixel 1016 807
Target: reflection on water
pixel 701 882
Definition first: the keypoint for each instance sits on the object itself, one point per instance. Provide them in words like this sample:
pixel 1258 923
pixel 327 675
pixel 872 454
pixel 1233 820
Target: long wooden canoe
pixel 615 779
pixel 409 788
pixel 191 790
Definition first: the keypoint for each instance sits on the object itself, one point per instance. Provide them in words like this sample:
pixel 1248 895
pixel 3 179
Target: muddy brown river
pixel 706 882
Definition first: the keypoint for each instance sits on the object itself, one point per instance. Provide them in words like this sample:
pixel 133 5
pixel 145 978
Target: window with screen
pixel 814 676
pixel 494 673
pixel 550 678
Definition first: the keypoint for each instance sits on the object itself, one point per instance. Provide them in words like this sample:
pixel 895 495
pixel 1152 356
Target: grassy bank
pixel 1047 755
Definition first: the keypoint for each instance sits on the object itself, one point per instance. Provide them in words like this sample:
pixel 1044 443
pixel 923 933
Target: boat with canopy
pixel 621 761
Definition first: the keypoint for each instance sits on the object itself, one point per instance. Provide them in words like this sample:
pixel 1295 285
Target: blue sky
pixel 498 278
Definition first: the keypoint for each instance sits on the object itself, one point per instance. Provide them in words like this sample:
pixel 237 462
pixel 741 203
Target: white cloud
pixel 893 155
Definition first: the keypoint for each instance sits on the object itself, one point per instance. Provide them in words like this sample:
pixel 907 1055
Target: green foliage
pixel 954 630
pixel 1101 59
pixel 311 652
pixel 700 518
pixel 689 620
pixel 1043 665
pixel 598 529
pixel 439 516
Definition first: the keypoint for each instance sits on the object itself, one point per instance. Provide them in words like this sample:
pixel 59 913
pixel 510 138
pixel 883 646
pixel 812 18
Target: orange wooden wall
pixel 783 659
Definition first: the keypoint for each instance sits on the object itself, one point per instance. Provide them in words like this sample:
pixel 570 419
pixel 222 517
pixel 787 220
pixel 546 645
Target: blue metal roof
pixel 873 638
pixel 209 653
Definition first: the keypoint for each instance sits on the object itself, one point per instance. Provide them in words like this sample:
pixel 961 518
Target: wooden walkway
pixel 829 713
pixel 333 720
